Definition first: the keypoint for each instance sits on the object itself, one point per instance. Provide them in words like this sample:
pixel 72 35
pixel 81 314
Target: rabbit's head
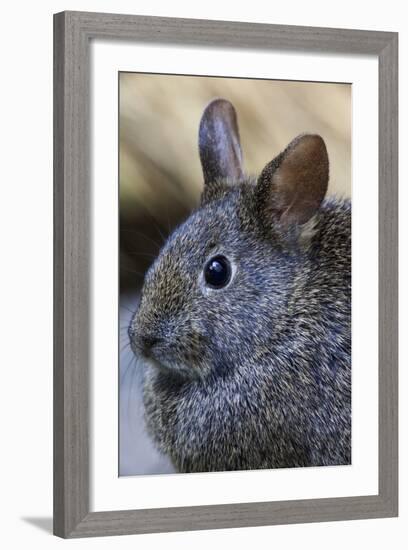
pixel 221 286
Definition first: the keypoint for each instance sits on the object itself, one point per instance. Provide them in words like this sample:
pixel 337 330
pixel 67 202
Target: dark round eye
pixel 217 272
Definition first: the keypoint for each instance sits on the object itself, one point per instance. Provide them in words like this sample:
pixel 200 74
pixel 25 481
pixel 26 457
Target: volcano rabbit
pixel 243 326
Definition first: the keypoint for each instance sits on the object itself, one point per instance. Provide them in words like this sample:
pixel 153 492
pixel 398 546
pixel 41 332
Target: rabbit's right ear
pixel 219 144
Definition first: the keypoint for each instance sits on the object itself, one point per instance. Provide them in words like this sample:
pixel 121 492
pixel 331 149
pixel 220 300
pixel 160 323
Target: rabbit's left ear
pixel 291 187
pixel 219 144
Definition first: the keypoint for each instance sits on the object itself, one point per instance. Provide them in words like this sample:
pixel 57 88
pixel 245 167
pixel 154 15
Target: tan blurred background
pixel 161 181
pixel 160 173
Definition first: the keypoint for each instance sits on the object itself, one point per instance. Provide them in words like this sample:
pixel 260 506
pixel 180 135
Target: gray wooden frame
pixel 72 34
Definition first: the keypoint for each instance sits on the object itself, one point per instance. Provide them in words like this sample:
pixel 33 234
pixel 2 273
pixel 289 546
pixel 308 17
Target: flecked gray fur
pixel 256 374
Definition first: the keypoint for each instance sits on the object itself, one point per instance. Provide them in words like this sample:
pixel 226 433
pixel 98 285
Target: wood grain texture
pixel 71 283
pixel 228 33
pixel 72 33
pixel 388 273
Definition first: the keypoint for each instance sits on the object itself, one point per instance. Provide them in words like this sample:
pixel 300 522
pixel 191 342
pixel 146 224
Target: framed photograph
pixel 225 288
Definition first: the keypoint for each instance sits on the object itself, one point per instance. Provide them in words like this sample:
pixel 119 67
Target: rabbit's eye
pixel 217 272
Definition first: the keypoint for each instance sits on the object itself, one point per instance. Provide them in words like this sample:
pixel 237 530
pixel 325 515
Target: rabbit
pixel 244 322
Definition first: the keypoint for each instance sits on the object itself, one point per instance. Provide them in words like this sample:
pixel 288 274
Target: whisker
pixel 124 347
pixel 156 225
pixel 129 365
pixel 127 309
pixel 123 339
pixel 147 254
pixel 133 271
pixel 134 232
pixel 168 219
pixel 160 233
pixel 132 380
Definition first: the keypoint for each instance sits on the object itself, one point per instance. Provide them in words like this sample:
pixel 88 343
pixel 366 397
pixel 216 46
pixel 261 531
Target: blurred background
pixel 161 182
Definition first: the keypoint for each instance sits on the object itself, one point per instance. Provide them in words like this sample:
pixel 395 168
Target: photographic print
pixel 235 274
pixel 202 240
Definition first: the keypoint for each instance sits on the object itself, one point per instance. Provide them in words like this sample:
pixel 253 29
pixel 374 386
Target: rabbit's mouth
pixel 157 355
pixel 182 354
pixel 172 367
pixel 174 363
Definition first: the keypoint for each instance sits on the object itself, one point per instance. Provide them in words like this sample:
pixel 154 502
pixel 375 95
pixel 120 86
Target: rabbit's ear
pixel 219 145
pixel 294 184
